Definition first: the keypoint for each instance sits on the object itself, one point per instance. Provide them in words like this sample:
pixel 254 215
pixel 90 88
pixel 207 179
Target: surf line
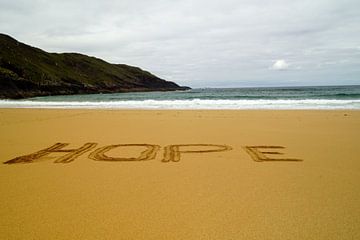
pixel 171 153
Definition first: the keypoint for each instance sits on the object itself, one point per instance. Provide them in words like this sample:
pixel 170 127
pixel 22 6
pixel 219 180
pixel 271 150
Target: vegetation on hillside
pixel 26 71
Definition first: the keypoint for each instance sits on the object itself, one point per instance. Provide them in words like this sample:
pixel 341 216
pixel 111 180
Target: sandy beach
pixel 172 174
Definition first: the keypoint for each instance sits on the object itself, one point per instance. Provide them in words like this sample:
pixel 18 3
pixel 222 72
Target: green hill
pixel 26 71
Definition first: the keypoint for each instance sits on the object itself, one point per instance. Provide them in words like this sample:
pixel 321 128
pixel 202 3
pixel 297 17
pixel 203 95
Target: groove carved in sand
pixel 148 154
pixel 259 155
pixel 172 153
pixel 56 148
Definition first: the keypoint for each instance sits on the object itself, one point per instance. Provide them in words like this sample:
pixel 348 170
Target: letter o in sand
pixel 148 154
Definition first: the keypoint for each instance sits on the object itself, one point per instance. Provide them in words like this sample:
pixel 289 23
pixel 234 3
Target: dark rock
pixel 26 71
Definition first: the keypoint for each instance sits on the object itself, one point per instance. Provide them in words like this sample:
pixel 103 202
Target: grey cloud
pixel 201 43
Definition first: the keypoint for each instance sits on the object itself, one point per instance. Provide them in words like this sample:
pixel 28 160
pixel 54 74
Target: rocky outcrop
pixel 26 71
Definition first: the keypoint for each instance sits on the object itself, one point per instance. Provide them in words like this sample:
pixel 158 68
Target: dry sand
pixel 215 195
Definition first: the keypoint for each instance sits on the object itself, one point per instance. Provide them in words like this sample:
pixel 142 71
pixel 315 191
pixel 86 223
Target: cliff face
pixel 26 71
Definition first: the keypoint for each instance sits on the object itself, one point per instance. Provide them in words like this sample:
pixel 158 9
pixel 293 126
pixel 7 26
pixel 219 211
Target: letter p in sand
pixel 172 153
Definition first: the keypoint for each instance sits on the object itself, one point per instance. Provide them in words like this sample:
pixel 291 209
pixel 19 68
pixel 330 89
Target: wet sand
pixel 180 174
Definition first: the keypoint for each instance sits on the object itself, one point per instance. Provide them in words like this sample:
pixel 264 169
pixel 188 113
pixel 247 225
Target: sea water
pixel 324 97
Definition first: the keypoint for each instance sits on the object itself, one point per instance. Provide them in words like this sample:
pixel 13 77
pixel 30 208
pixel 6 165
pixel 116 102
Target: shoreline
pixel 155 108
pixel 177 110
pixel 305 98
pixel 151 109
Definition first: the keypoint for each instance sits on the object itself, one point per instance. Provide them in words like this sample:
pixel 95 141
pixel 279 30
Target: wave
pixel 188 104
pixel 345 95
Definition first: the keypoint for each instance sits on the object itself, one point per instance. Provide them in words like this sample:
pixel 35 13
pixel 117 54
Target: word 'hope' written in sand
pixel 171 153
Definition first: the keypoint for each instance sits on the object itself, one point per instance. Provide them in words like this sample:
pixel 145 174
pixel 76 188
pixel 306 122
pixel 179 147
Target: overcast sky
pixel 202 43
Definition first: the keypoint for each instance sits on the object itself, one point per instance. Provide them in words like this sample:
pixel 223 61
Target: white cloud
pixel 280 64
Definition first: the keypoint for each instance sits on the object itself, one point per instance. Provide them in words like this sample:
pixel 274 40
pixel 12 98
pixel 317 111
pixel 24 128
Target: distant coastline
pixel 26 72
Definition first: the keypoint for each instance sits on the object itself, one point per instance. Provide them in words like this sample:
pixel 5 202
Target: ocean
pixel 324 97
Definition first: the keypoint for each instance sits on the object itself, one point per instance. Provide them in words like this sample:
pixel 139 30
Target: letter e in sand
pixel 260 155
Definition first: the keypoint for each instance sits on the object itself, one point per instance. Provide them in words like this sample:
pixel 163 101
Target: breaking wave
pixel 188 104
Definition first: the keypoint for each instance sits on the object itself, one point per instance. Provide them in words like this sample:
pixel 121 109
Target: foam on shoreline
pixel 327 104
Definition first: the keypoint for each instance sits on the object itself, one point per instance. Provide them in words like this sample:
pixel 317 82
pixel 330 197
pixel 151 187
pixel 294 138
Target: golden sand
pixel 179 174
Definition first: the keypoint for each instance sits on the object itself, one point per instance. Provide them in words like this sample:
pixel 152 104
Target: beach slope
pixel 131 174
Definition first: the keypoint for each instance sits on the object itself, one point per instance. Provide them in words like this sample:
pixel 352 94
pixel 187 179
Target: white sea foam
pixel 188 104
